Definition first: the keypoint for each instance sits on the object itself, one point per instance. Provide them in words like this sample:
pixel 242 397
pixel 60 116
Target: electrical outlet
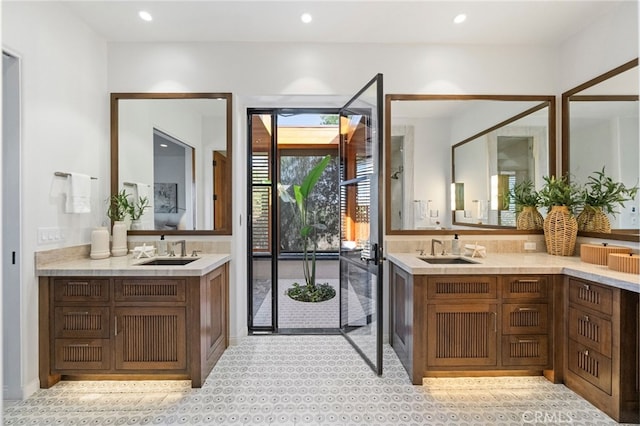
pixel 529 245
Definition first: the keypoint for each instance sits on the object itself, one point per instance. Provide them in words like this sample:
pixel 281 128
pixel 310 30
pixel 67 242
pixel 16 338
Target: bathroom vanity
pixel 118 319
pixel 520 314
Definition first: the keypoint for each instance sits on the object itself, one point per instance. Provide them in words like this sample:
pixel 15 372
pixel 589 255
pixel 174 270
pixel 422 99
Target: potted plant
pixel 526 199
pixel 561 197
pixel 601 196
pixel 136 209
pixel 117 211
pixel 310 291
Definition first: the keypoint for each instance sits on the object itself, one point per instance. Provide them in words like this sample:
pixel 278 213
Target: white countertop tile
pixel 129 266
pixel 520 263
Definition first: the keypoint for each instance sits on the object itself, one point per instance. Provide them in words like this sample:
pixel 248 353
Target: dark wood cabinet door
pixel 150 338
pixel 462 335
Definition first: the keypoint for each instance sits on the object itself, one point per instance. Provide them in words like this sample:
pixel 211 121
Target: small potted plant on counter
pixel 601 196
pixel 117 211
pixel 561 198
pixel 526 199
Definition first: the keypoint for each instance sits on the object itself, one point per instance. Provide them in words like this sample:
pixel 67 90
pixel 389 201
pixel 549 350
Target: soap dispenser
pixel 455 245
pixel 162 246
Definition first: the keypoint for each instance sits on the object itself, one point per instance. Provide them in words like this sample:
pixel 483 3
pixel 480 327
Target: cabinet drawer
pixel 525 318
pixel 82 354
pixel 466 287
pixel 590 330
pixel 592 296
pixel 590 365
pixel 150 290
pixel 525 350
pixel 82 322
pixel 525 287
pixel 81 290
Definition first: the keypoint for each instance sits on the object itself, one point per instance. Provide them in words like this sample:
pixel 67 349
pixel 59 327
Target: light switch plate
pixel 529 245
pixel 50 236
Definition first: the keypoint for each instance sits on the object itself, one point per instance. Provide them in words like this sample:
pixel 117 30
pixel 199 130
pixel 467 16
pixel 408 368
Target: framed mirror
pixel 600 129
pixel 174 149
pixel 450 158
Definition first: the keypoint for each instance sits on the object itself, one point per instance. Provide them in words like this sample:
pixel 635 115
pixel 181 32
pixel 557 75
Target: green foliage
pixel 560 192
pixel 136 208
pixel 524 194
pixel 329 120
pixel 601 191
pixel 317 293
pixel 118 206
pixel 302 193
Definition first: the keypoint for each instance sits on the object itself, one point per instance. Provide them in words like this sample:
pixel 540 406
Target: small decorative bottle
pixel 455 245
pixel 99 243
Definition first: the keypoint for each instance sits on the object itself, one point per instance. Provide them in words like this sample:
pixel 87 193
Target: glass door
pixel 361 223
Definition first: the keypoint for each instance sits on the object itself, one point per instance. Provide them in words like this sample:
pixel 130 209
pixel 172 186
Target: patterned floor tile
pixel 306 380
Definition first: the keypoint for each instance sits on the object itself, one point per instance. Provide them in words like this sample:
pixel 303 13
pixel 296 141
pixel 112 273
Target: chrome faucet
pixel 183 248
pixel 433 243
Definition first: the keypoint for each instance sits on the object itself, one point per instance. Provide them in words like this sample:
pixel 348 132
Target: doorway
pixel 285 144
pixel 11 230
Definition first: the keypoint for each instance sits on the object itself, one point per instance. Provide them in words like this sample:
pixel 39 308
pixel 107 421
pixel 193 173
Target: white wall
pixel 65 111
pixel 603 45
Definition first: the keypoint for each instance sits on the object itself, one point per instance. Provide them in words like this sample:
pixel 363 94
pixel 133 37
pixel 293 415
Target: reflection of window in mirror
pixel 601 129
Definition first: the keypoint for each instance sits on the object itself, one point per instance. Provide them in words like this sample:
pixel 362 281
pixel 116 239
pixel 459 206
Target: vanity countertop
pixel 520 263
pixel 130 267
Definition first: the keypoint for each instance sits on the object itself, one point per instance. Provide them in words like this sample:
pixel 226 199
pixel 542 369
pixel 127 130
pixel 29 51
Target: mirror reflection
pixel 174 150
pixel 452 159
pixel 602 130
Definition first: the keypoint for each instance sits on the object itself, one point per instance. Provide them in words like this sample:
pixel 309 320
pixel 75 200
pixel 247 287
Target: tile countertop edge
pixel 128 266
pixel 534 263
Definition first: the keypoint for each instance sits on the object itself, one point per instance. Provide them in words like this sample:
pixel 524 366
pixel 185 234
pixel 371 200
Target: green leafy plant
pixel 524 195
pixel 118 206
pixel 560 192
pixel 601 191
pixel 136 208
pixel 305 293
pixel 311 291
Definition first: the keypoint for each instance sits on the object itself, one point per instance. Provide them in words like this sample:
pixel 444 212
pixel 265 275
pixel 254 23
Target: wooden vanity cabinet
pixel 471 324
pixel 132 327
pixel 602 359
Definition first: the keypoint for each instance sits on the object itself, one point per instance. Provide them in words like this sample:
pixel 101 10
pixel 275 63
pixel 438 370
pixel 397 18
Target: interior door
pixel 361 222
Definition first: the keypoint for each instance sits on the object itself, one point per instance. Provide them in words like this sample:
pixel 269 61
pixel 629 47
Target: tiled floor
pixel 306 380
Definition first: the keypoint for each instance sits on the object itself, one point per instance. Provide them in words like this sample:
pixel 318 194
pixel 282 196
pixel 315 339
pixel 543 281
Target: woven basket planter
pixel 529 219
pixel 560 231
pixel 593 219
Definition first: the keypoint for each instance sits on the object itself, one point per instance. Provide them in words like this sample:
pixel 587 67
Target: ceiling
pixel 533 22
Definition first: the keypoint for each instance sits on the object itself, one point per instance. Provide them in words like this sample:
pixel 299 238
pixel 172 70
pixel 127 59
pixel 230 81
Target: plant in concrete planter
pixel 118 208
pixel 310 291
pixel 601 196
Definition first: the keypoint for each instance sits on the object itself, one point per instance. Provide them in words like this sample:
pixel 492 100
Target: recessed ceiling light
pixel 459 19
pixel 164 145
pixel 306 18
pixel 145 16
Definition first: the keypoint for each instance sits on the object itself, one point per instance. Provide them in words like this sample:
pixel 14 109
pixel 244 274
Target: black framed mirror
pixel 175 149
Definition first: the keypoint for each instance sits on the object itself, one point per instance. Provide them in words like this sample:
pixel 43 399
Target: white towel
pixel 78 193
pixel 142 190
pixel 420 209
